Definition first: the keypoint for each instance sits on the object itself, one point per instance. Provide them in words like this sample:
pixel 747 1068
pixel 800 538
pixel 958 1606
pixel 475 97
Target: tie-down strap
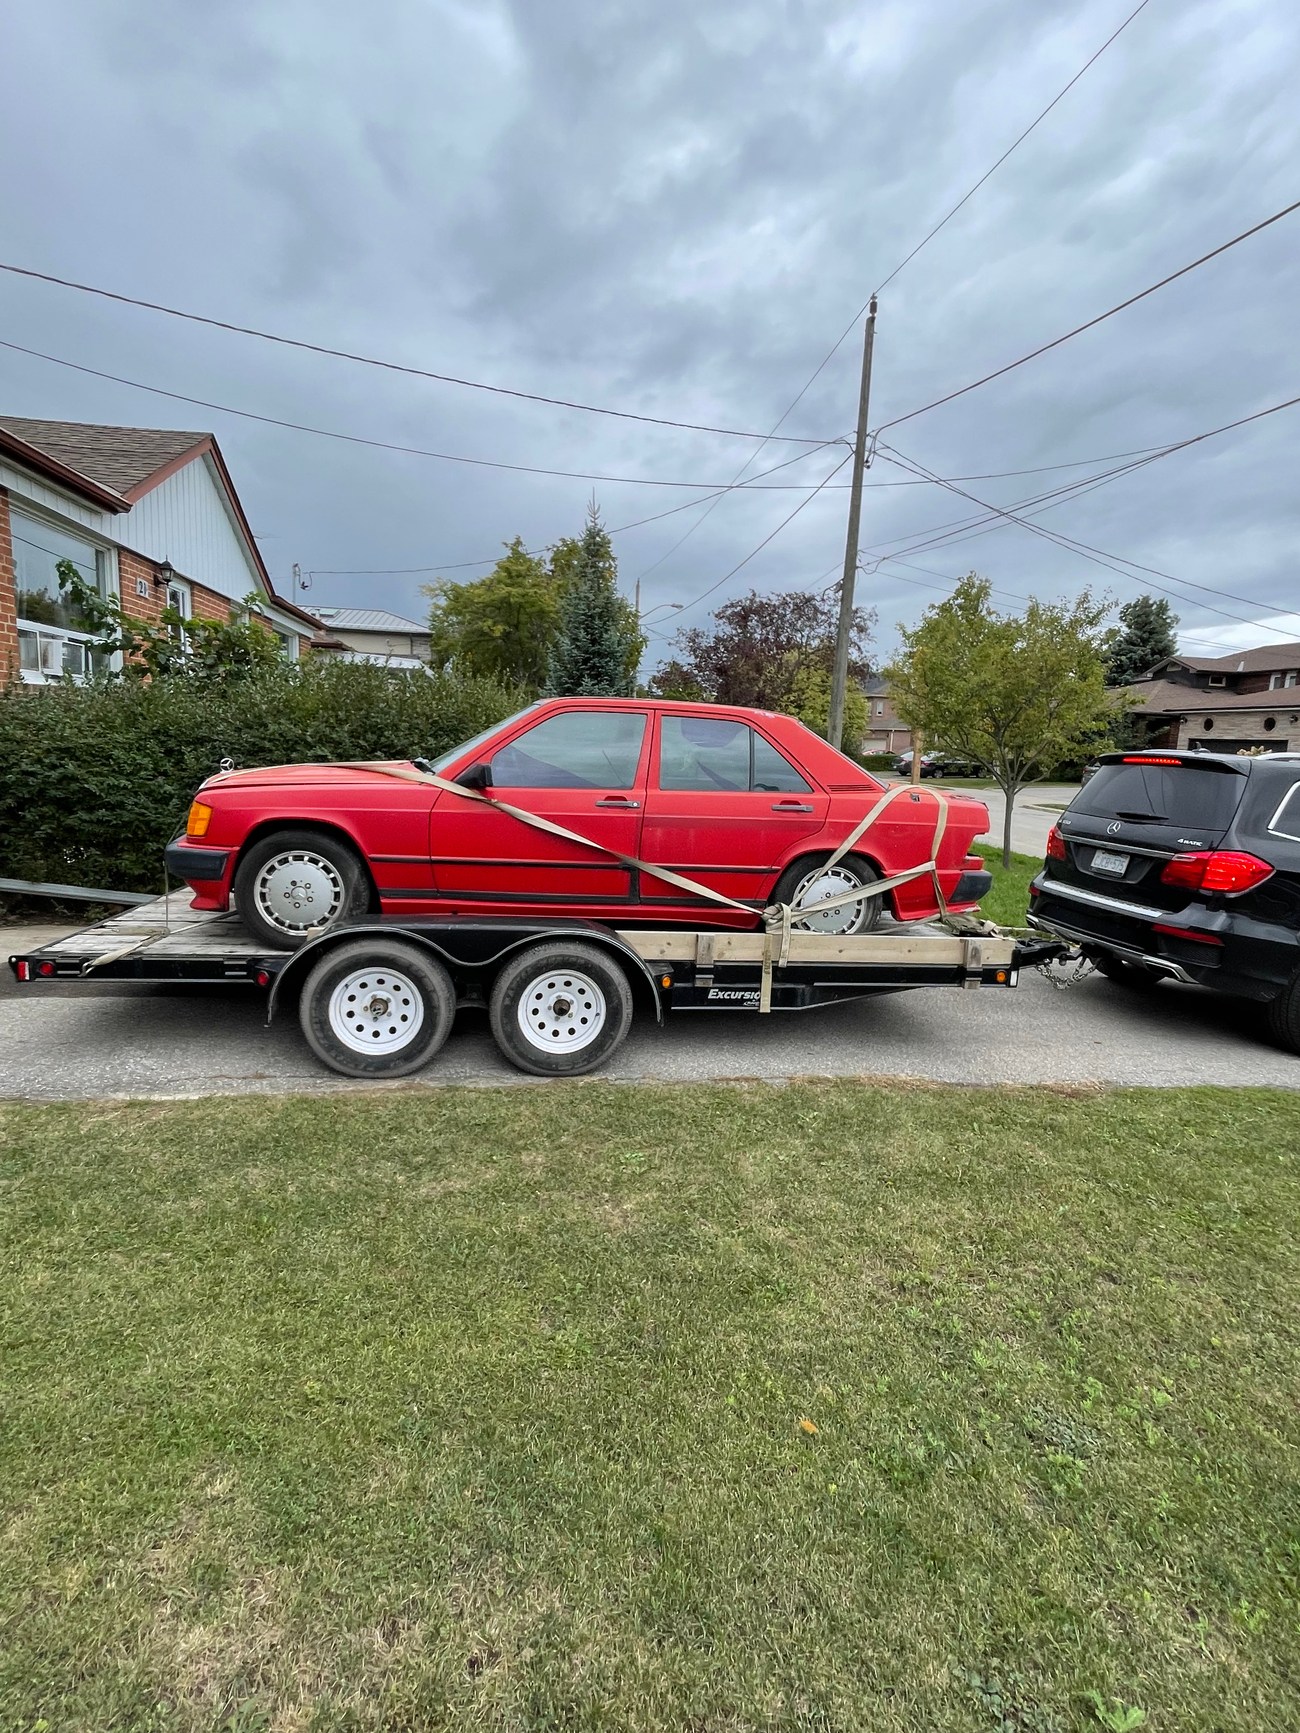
pixel 778 918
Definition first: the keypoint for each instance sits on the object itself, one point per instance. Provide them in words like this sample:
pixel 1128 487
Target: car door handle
pixel 617 800
pixel 790 806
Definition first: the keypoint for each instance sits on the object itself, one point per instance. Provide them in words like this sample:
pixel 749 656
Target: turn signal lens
pixel 199 820
pixel 1223 871
pixel 1055 844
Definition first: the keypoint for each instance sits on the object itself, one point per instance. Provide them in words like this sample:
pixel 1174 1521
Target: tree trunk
pixel 1008 798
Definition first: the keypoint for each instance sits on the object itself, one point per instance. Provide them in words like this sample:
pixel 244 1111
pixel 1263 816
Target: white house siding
pixel 27 489
pixel 185 519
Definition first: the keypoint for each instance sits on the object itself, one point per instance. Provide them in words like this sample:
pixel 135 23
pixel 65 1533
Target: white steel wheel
pixel 376 1007
pixel 814 884
pixel 560 1008
pixel 297 889
pixel 376 1011
pixel 562 1011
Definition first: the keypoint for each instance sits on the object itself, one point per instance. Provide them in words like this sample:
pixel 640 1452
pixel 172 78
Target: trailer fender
pixel 300 962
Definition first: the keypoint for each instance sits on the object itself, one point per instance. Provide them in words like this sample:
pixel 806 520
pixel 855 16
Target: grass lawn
pixel 584 1407
pixel 1008 902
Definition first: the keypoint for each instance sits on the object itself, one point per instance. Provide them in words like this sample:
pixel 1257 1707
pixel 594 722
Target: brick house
pixel 147 514
pixel 1224 703
pixel 886 732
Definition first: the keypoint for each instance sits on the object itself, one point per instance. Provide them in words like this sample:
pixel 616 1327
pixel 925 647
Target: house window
pixel 1290 678
pixel 1218 680
pixel 880 709
pixel 52 631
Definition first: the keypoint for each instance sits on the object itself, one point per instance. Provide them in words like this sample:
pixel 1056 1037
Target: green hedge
pixel 95 781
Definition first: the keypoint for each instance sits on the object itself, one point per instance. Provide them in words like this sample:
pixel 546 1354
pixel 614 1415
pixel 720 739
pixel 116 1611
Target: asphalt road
pixel 68 1042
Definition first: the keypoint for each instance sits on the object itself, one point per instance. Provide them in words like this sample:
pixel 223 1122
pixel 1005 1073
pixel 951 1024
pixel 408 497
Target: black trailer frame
pixel 452 961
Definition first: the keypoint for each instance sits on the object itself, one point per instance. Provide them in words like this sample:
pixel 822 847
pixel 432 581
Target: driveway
pixel 65 1042
pixel 1036 810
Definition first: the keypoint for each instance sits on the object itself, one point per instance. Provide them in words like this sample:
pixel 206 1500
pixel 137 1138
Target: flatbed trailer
pixel 377 997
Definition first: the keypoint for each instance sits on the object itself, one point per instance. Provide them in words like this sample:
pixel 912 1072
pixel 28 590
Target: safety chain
pixel 1064 980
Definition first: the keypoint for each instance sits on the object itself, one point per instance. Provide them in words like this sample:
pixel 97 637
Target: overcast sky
pixel 675 208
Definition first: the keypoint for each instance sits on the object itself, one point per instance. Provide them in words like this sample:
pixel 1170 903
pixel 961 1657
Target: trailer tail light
pixel 199 820
pixel 1221 870
pixel 24 970
pixel 45 968
pixel 1055 844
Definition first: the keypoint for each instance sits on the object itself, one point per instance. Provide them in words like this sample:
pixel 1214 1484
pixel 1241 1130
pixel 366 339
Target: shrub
pixel 96 780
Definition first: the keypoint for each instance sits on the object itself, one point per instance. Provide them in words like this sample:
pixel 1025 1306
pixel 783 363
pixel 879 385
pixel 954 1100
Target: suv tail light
pixel 1055 844
pixel 1221 870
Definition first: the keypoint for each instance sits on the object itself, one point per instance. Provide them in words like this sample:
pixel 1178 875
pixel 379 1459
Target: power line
pixel 390 366
pixel 1085 485
pixel 989 173
pixel 1110 312
pixel 375 444
pixel 533 553
pixel 1100 557
pixel 835 347
pixel 694 602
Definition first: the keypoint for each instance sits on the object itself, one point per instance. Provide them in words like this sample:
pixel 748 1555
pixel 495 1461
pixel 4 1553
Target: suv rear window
pixel 1162 794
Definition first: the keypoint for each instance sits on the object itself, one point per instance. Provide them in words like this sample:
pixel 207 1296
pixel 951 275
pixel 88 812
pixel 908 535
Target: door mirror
pixel 477 776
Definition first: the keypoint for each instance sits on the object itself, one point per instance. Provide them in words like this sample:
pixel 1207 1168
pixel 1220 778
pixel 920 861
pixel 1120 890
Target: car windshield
pixel 448 758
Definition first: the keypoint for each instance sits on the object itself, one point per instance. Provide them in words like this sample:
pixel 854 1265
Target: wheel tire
pixel 349 1030
pixel 292 884
pixel 1122 972
pixel 796 884
pixel 560 1009
pixel 1284 1015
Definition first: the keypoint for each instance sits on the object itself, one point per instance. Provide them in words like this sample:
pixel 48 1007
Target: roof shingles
pixel 116 457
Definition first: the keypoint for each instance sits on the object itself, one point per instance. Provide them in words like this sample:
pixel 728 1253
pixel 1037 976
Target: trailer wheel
pixel 560 1009
pixel 377 1008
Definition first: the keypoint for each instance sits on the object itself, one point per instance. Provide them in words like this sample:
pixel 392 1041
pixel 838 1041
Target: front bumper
pixel 204 869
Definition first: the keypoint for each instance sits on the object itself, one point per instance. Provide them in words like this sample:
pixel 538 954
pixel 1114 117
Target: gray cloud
pixel 675 209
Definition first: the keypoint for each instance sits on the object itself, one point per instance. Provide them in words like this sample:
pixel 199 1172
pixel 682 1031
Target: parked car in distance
pixel 939 764
pixel 1183 866
pixel 749 803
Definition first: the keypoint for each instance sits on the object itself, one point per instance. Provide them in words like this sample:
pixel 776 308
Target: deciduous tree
pixel 1019 693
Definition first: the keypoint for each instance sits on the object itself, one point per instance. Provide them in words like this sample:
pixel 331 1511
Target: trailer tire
pixel 291 884
pixel 377 1008
pixel 560 1009
pixel 851 873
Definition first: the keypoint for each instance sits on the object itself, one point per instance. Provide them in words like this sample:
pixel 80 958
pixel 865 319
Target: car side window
pixel 708 755
pixel 1286 820
pixel 576 749
pixel 773 773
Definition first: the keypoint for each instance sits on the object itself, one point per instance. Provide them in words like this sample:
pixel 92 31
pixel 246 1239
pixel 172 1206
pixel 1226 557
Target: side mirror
pixel 478 776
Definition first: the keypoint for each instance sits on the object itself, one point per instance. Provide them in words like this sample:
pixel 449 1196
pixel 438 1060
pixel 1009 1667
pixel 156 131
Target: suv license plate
pixel 1109 863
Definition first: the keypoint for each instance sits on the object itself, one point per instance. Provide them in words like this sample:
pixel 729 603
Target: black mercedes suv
pixel 1184 866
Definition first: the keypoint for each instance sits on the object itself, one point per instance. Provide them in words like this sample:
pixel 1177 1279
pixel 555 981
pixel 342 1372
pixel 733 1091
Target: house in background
pixel 374 635
pixel 886 732
pixel 147 514
pixel 1224 703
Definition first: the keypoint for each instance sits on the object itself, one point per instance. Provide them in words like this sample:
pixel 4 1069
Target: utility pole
pixel 840 669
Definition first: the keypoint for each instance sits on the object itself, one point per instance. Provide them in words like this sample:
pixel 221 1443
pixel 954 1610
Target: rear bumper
pixel 1202 944
pixel 972 887
pixel 205 870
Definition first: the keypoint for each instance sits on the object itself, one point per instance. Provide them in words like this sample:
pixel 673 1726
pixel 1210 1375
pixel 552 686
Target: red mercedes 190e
pixel 749 803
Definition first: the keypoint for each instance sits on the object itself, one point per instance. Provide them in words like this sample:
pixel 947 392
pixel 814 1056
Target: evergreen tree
pixel 599 641
pixel 1147 635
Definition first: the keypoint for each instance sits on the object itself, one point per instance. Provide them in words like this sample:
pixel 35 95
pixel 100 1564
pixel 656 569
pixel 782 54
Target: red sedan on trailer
pixel 750 803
